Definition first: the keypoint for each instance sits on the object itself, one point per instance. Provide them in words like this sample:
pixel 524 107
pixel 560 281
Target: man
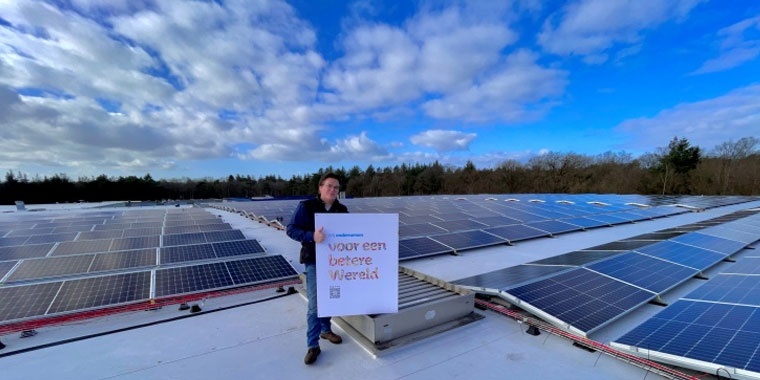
pixel 302 228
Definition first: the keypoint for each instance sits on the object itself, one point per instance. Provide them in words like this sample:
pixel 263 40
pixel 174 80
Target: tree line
pixel 731 168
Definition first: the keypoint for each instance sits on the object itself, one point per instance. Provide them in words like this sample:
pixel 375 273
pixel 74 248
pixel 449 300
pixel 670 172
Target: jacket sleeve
pixel 298 225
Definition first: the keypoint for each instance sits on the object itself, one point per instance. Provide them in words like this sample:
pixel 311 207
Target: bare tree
pixel 729 153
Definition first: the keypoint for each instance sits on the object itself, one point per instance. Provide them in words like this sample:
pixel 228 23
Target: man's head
pixel 329 187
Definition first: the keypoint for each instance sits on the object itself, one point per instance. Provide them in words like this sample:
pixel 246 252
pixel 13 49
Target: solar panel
pixel 694 257
pixel 214 227
pixel 124 244
pixel 522 216
pixel 468 239
pixel 576 258
pixel 731 234
pixel 26 301
pixel 181 229
pixel 644 271
pixel 420 229
pixel 736 289
pixel 96 235
pixel 145 231
pixel 622 245
pixel 554 227
pixel 713 243
pixel 747 265
pixel 226 235
pixel 182 253
pixel 494 221
pixel 25 251
pixel 610 219
pixel 112 226
pixel 509 277
pixel 516 232
pixel 413 219
pixel 10 241
pixel 585 222
pixel 85 246
pixel 124 260
pixel 459 225
pixel 51 267
pixel 89 293
pixel 5 267
pixel 192 279
pixel 421 247
pixel 581 298
pixel 728 335
pixel 31 232
pixel 184 239
pixel 237 248
pixel 260 269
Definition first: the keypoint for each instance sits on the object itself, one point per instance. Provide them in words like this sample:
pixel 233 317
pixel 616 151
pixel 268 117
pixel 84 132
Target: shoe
pixel 331 336
pixel 311 355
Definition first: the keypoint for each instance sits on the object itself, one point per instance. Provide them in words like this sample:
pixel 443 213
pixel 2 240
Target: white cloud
pixel 592 28
pixel 739 45
pixel 706 123
pixel 443 140
pixel 518 90
pixel 450 60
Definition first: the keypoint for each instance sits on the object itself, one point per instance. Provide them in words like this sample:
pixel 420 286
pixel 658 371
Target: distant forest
pixel 731 168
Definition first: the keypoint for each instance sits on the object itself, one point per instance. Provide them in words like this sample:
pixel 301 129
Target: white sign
pixel 357 264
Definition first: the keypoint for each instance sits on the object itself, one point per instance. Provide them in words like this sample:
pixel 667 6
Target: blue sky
pixel 182 89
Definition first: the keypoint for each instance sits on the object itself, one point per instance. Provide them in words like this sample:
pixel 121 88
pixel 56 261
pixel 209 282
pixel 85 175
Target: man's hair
pixel 326 176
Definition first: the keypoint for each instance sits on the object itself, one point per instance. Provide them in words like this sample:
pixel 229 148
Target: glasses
pixel 331 187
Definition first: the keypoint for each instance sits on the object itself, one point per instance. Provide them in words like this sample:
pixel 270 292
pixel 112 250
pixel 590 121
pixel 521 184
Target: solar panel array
pixel 85 260
pixel 435 225
pixel 585 290
pixel 716 327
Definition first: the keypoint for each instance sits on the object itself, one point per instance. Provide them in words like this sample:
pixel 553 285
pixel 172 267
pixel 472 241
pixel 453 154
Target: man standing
pixel 302 228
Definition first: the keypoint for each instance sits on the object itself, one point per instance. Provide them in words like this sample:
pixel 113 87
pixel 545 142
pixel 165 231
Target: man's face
pixel 329 189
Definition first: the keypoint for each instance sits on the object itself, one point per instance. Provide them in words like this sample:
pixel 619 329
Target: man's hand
pixel 319 235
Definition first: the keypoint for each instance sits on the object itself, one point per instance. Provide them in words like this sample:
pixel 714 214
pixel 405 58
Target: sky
pixel 208 89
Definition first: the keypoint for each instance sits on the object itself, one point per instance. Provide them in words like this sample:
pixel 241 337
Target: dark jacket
pixel 301 225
